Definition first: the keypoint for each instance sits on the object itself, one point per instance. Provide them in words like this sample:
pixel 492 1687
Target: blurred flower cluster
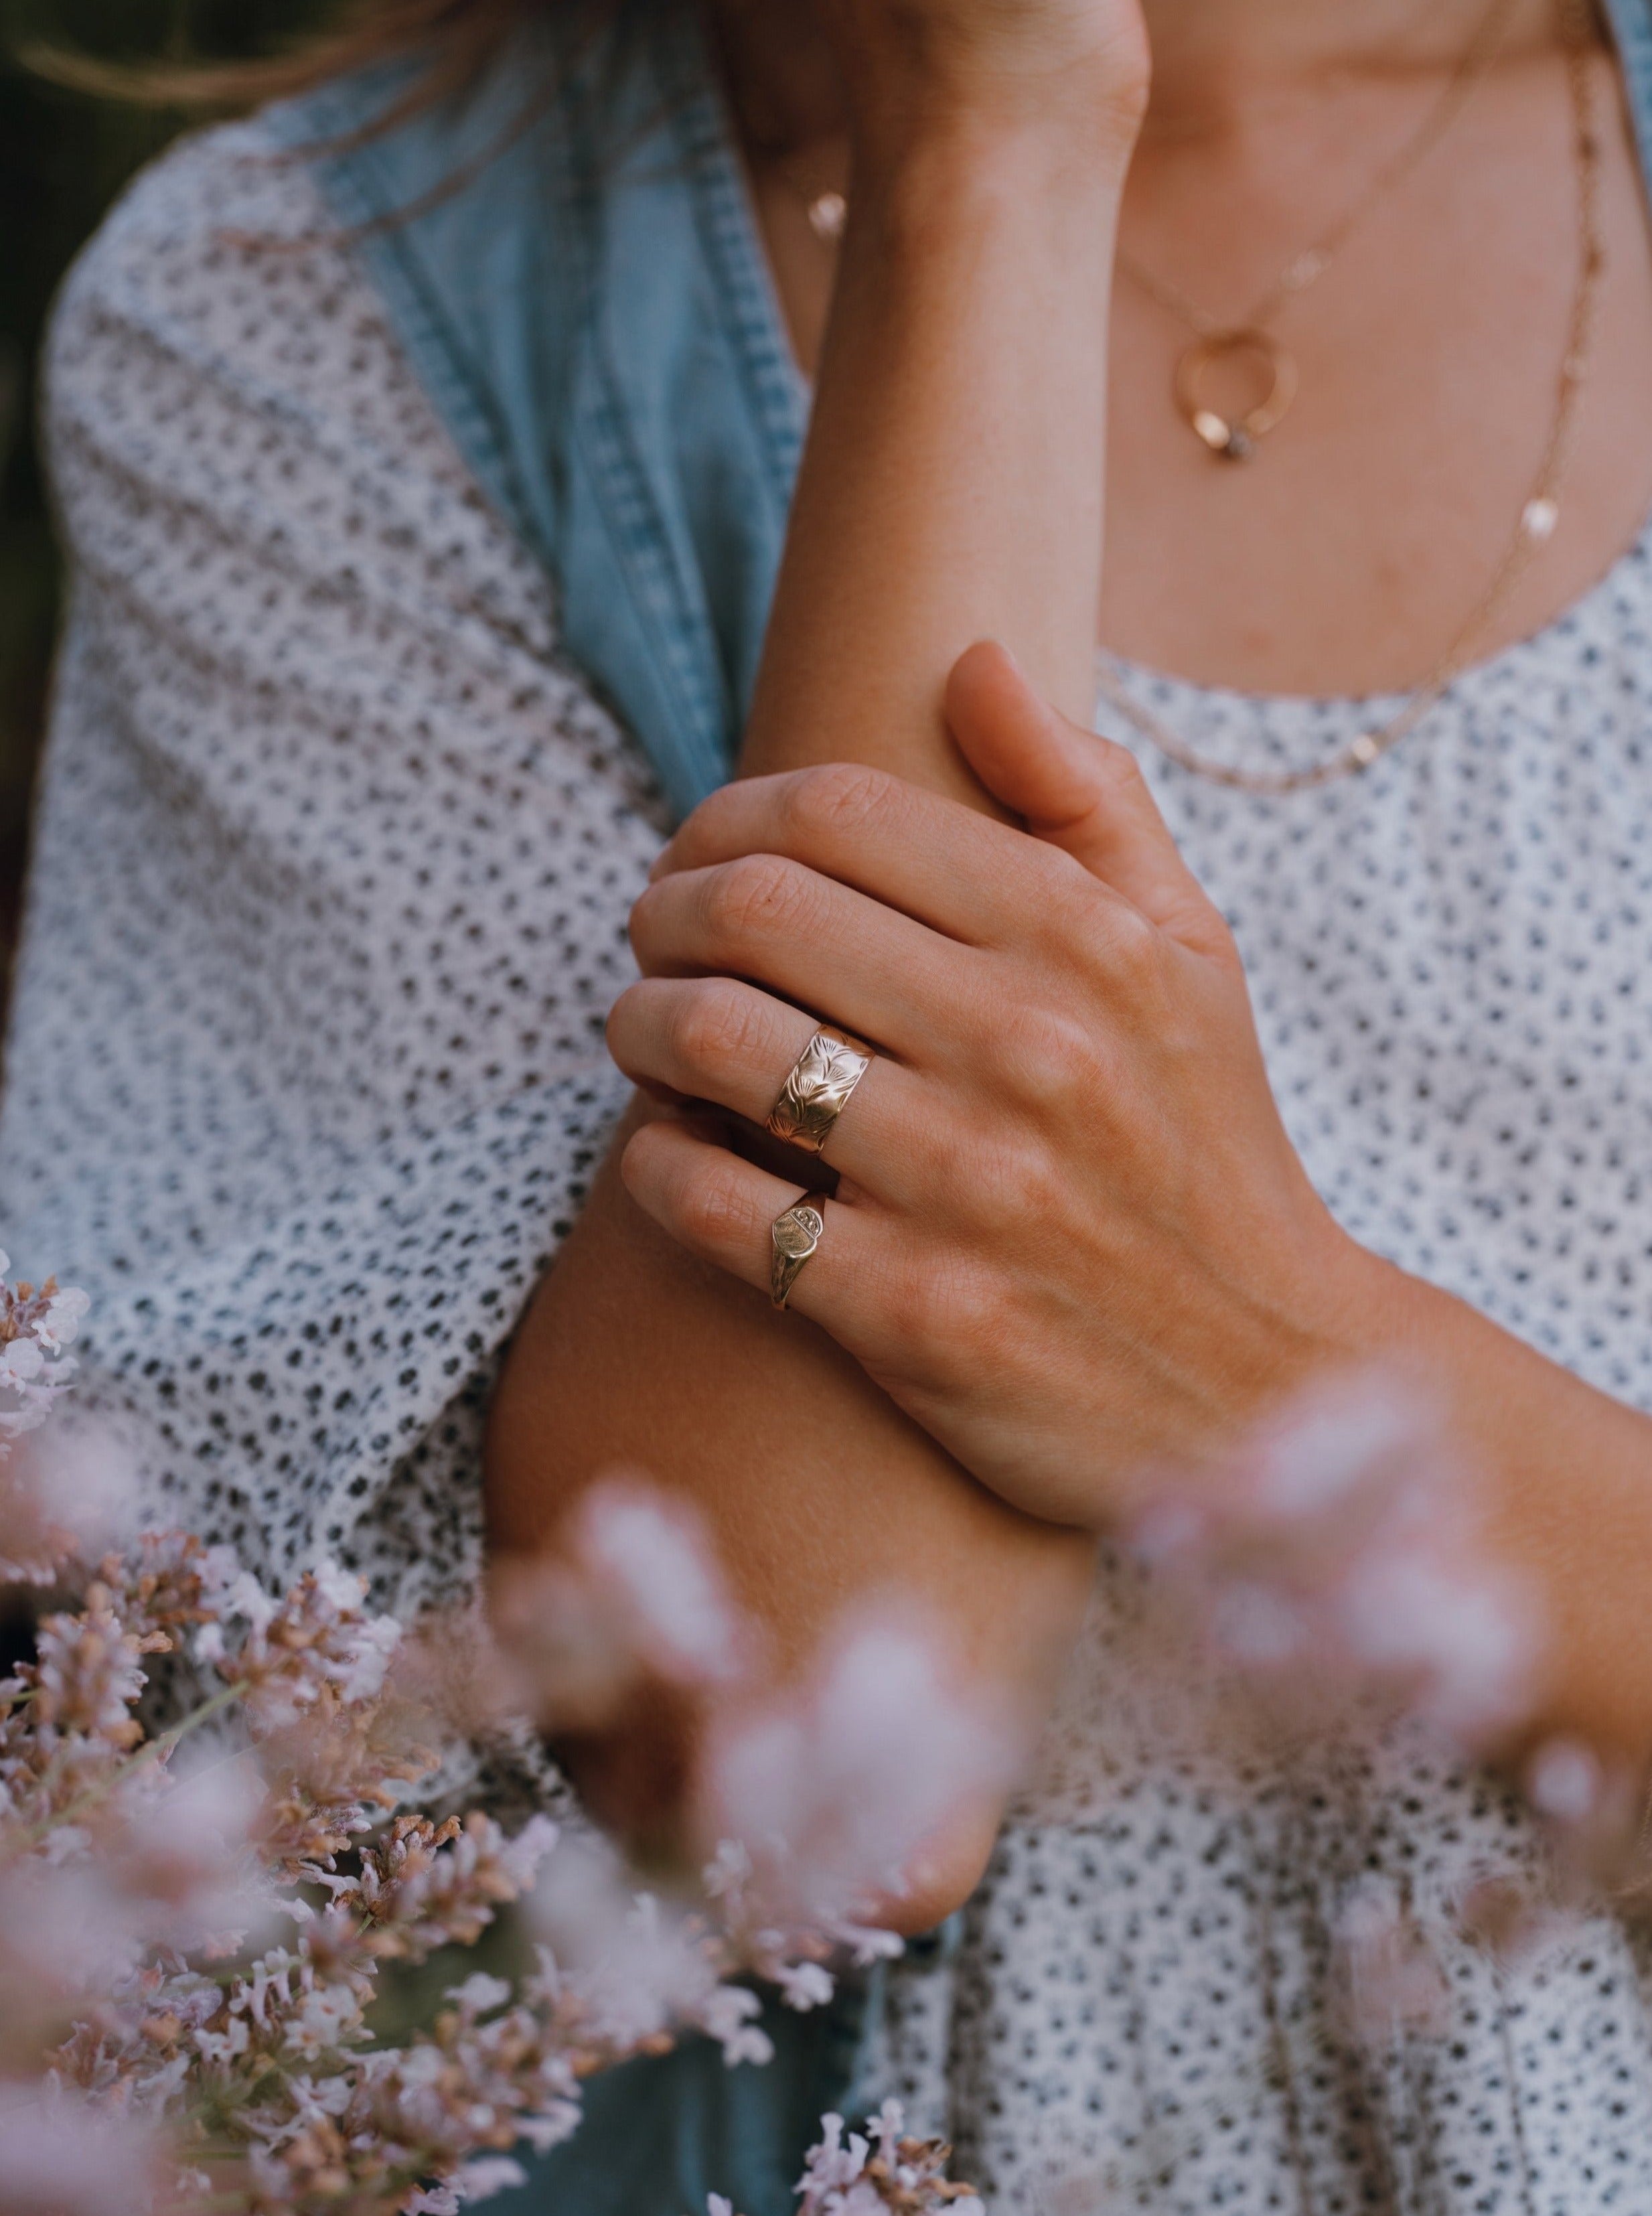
pixel 1333 1586
pixel 202 1928
pixel 880 2172
pixel 1337 1563
pixel 210 1932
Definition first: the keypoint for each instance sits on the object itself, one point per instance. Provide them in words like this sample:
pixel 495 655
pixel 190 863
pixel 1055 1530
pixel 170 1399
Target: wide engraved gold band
pixel 817 1090
pixel 794 1235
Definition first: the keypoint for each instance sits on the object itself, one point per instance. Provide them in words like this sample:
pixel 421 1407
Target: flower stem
pixel 152 1751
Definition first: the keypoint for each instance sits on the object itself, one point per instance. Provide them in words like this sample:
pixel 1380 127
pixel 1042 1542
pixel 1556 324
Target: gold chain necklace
pixel 1540 511
pixel 1215 341
pixel 1539 514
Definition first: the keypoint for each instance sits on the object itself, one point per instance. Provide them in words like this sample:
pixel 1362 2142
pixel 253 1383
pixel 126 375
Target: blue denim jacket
pixel 569 258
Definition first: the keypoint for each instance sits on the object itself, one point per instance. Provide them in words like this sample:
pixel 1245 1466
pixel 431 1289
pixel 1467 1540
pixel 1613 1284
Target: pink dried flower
pixel 318 1636
pixel 1395 1985
pixel 1515 1915
pixel 35 1326
pixel 881 2172
pixel 1337 1563
pixel 1595 1817
pixel 57 1505
pixel 425 1886
pixel 654 1555
pixel 618 1968
pixel 61 2154
pixel 637 1595
pixel 832 1793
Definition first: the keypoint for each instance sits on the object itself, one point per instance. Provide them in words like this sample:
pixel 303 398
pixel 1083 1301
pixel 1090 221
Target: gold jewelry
pixel 818 1090
pixel 794 1235
pixel 1540 511
pixel 825 206
pixel 827 212
pixel 1236 440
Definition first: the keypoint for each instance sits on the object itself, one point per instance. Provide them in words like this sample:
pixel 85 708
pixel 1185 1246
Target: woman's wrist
pixel 960 174
pixel 1069 74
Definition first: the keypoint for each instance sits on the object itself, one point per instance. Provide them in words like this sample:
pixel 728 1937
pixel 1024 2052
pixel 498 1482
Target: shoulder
pixel 222 277
pixel 219 230
pixel 222 311
pixel 221 375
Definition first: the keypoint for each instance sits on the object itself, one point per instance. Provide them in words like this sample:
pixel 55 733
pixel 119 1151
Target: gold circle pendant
pixel 1235 439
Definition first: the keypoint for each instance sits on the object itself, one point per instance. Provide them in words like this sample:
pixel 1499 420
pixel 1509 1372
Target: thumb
pixel 1075 789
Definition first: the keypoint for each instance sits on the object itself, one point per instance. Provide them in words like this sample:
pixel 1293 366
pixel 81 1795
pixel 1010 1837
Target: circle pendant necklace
pixel 1236 437
pixel 1534 525
pixel 1247 343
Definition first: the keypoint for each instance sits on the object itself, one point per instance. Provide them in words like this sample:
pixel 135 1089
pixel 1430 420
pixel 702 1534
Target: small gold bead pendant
pixel 827 214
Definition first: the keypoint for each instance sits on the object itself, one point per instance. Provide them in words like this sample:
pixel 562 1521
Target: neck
pixel 1215 60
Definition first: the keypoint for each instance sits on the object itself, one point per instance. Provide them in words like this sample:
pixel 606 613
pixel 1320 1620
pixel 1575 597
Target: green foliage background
pixel 63 158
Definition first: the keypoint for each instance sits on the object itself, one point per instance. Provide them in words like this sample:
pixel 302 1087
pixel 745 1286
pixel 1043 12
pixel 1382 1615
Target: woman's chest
pixel 1481 338
pixel 1451 962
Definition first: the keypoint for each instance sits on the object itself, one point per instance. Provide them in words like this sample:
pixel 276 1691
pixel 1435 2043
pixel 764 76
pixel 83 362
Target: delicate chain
pixel 1538 515
pixel 1308 266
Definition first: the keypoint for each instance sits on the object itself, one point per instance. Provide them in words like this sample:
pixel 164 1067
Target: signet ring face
pixel 794 1235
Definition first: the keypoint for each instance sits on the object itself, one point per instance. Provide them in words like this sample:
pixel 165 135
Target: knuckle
pixel 1072 912
pixel 1124 949
pixel 837 798
pixel 1018 1188
pixel 1134 943
pixel 1117 768
pixel 714 1023
pixel 1139 971
pixel 710 1211
pixel 644 909
pixel 1049 1056
pixel 621 1019
pixel 754 897
pixel 949 1309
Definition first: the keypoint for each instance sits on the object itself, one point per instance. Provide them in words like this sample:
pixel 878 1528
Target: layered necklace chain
pixel 1237 439
pixel 1216 341
pixel 1534 523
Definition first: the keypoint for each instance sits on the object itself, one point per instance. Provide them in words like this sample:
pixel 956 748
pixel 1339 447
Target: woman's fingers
pixel 715 1039
pixel 724 1209
pixel 1076 790
pixel 935 860
pixel 855 962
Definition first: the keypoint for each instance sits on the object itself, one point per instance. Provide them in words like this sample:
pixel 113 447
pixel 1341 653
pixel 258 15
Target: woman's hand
pixel 1071 1235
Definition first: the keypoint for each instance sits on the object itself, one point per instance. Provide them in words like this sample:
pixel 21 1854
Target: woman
pixel 338 839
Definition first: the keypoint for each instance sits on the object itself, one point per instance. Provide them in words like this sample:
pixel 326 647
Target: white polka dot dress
pixel 306 1080
pixel 328 899
pixel 1451 960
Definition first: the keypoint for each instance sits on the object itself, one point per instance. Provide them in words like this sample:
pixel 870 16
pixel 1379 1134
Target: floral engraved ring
pixel 793 1236
pixel 817 1091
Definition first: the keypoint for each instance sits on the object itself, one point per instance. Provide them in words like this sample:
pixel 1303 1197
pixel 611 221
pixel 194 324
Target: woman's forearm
pixel 952 485
pixel 1566 1479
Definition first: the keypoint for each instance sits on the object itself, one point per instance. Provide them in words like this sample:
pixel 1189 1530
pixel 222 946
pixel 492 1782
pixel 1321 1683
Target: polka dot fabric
pixel 328 900
pixel 1146 2006
pixel 306 1083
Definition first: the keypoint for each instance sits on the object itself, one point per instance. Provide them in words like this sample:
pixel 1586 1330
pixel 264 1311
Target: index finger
pixel 940 862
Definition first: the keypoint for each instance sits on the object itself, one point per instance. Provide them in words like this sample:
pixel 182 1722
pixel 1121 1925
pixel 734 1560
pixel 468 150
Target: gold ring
pixel 794 1235
pixel 817 1091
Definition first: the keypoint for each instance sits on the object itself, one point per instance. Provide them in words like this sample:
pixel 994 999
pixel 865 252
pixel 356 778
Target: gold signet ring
pixel 793 1236
pixel 817 1091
